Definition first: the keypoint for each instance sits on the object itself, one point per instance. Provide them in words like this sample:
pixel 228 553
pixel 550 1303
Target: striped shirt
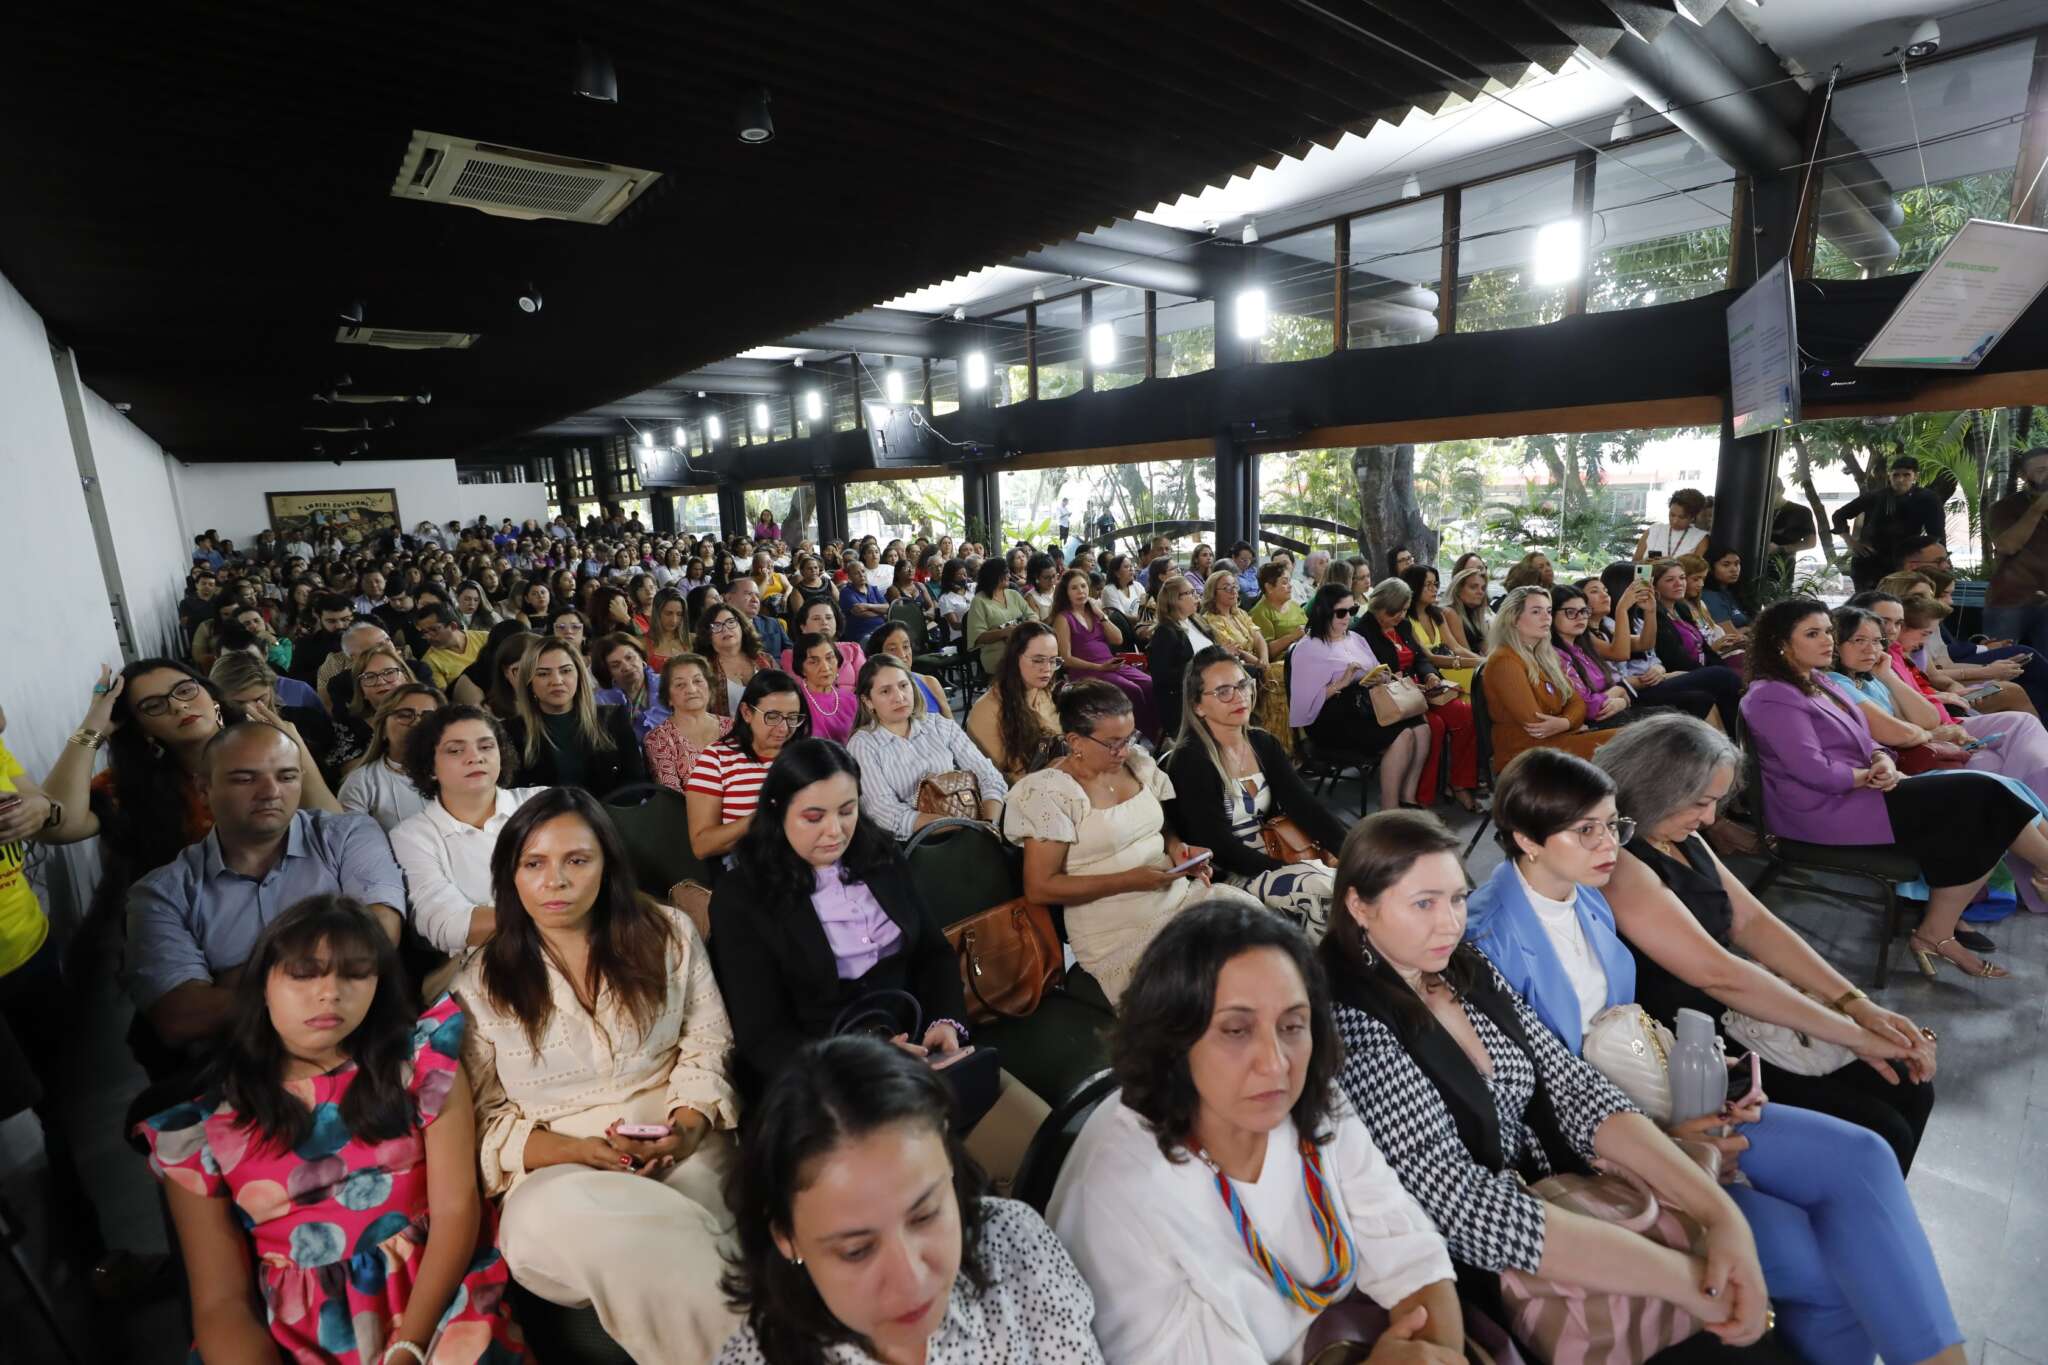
pixel 891 768
pixel 726 773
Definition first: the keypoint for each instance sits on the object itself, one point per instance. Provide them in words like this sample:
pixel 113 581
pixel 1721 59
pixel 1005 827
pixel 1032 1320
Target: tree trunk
pixel 1388 513
pixel 1804 475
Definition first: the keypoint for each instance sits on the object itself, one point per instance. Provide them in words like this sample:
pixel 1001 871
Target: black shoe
pixel 1975 941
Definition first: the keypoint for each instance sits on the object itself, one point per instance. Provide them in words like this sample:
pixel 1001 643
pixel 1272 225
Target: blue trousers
pixel 1847 1263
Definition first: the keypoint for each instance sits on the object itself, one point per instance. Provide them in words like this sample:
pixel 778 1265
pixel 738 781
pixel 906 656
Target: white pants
pixel 646 1253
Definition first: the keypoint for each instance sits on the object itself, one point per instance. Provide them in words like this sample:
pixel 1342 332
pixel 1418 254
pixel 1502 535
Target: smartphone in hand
pixel 1194 862
pixel 643 1132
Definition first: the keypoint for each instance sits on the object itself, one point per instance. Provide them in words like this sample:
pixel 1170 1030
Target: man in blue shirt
pixel 743 595
pixel 193 922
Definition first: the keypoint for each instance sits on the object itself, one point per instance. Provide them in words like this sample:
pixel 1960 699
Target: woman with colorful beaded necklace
pixel 1227 1195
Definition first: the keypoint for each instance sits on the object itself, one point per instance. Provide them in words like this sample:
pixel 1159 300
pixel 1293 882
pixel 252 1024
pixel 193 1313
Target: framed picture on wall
pixel 356 515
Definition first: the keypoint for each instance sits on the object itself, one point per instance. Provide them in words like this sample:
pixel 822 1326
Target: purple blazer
pixel 1809 749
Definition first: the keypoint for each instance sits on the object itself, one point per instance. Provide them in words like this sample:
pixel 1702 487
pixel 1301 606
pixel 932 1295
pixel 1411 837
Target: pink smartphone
pixel 1194 862
pixel 940 1061
pixel 1756 1083
pixel 643 1132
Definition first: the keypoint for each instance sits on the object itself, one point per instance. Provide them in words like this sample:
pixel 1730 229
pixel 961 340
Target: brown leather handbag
pixel 1288 842
pixel 954 794
pixel 1010 957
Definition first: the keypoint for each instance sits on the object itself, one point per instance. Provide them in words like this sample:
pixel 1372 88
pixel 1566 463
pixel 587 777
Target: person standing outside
pixel 1890 518
pixel 2016 603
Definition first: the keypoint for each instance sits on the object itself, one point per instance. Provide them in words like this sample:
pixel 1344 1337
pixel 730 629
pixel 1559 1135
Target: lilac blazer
pixel 1809 748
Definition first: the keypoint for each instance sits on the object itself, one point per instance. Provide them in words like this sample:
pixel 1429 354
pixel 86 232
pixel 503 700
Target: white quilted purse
pixel 1785 1048
pixel 1629 1048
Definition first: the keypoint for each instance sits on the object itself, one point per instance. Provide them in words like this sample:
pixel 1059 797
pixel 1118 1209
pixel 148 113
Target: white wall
pixel 135 486
pixel 230 497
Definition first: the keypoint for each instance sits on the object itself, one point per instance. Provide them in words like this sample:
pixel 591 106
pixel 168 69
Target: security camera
pixel 1925 40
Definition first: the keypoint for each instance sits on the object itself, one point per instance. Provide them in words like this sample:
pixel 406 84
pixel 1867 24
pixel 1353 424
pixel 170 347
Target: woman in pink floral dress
pixel 335 1148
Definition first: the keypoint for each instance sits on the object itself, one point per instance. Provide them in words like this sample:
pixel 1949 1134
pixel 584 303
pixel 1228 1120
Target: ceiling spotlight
pixel 1101 345
pixel 1624 123
pixel 1038 293
pixel 1251 232
pixel 1924 41
pixel 1560 251
pixel 1251 313
pixel 123 407
pixel 594 78
pixel 959 313
pixel 678 438
pixel 760 417
pixel 351 312
pixel 714 429
pixel 647 440
pixel 700 393
pixel 753 123
pixel 799 362
pixel 977 370
pixel 424 397
pixel 1411 188
pixel 529 302
pixel 814 405
pixel 892 385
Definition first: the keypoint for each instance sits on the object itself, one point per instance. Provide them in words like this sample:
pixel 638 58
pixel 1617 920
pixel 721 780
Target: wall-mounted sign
pixel 1986 276
pixel 1763 355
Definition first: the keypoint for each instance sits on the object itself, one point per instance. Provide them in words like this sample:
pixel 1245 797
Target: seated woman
pixel 668 631
pixel 1093 827
pixel 1087 641
pixel 1849 1267
pixel 1682 647
pixel 824 618
pixel 894 639
pixel 1728 640
pixel 1826 780
pixel 1390 631
pixel 1529 699
pixel 1041 575
pixel 561 736
pixel 1230 779
pixel 817 915
pixel 1468 619
pixel 1225 621
pixel 473 686
pixel 1469 1095
pixel 1016 720
pixel 1717 594
pixel 1978 660
pixel 722 786
pixel 1176 639
pixel 327 1169
pixel 1277 615
pixel 854 1134
pixel 593 1008
pixel 1331 676
pixel 1226 1056
pixel 244 680
pixel 1685 917
pixel 2005 720
pixel 1430 624
pixel 459 765
pixel 899 746
pixel 832 703
pixel 727 640
pixel 861 602
pixel 996 613
pixel 377 785
pixel 672 746
pixel 618 663
pixel 1126 596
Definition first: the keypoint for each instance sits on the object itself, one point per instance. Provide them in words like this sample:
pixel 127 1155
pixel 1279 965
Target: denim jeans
pixel 2026 624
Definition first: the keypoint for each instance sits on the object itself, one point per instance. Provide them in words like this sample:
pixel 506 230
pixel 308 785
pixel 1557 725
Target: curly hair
pixel 424 744
pixel 1167 1007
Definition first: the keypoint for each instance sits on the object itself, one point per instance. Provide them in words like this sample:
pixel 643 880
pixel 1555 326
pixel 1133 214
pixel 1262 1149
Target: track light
pixel 959 313
pixel 647 440
pixel 1101 345
pixel 1411 188
pixel 1251 232
pixel 351 312
pixel 1560 251
pixel 423 397
pixel 977 370
pixel 753 123
pixel 529 302
pixel 124 407
pixel 1251 313
pixel 594 78
pixel 814 405
pixel 1038 293
pixel 714 429
pixel 760 417
pixel 892 385
pixel 798 362
pixel 679 438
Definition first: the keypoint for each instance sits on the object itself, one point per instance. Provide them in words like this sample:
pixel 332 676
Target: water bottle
pixel 1699 1074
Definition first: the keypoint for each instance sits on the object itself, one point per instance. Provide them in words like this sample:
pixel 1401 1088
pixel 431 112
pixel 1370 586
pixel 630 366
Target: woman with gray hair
pixel 1390 632
pixel 1702 940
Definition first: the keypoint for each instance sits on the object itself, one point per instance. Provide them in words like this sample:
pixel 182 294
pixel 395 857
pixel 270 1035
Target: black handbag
pixel 974 1080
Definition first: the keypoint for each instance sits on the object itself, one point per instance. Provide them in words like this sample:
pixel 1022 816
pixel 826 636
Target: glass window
pixel 1133 495
pixel 795 507
pixel 1119 351
pixel 697 514
pixel 1396 261
pixel 1969 111
pixel 1299 274
pixel 1059 347
pixel 1660 231
pixel 1187 335
pixel 625 465
pixel 1009 371
pixel 839 405
pixel 1518 248
pixel 900 509
pixel 582 476
pixel 945 386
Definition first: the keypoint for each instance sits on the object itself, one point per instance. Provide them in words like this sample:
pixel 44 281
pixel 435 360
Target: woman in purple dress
pixel 1088 644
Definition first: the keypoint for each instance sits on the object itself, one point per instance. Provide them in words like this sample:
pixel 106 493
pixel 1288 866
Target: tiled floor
pixel 1981 1181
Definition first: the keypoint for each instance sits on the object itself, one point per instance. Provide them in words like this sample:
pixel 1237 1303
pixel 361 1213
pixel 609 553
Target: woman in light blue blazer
pixel 1848 1264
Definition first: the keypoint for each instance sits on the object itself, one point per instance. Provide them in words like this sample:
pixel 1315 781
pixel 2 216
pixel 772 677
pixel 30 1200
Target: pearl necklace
pixel 829 712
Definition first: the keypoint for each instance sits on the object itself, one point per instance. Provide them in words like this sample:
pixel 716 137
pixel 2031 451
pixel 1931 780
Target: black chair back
pixel 1039 1172
pixel 654 822
pixel 961 868
pixel 1482 721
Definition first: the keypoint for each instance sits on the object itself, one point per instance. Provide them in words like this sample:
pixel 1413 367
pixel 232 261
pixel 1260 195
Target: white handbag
pixel 1629 1048
pixel 1786 1048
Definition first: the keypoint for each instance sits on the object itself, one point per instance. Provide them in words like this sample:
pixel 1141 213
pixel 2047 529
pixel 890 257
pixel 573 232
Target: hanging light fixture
pixel 753 122
pixel 594 77
pixel 892 384
pixel 1251 313
pixel 814 405
pixel 977 370
pixel 714 428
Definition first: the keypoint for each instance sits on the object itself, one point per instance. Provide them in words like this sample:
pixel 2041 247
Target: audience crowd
pixel 420 1027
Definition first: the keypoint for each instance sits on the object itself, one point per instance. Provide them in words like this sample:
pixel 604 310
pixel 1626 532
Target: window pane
pixel 1299 274
pixel 1396 259
pixel 1970 110
pixel 795 502
pixel 1134 495
pixel 1660 229
pixel 1187 335
pixel 900 509
pixel 1504 280
pixel 697 514
pixel 1122 310
pixel 1009 374
pixel 945 386
pixel 1059 347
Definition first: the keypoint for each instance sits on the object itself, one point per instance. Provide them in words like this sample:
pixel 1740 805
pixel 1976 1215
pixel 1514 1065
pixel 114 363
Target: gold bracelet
pixel 1841 1003
pixel 87 739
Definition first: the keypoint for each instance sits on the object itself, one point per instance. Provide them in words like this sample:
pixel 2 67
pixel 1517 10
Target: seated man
pixel 744 596
pixel 192 922
pixel 451 648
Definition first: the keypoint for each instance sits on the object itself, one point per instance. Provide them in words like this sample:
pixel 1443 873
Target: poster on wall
pixel 355 515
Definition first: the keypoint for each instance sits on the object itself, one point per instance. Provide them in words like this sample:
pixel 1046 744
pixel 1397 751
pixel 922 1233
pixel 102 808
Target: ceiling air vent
pixel 399 339
pixel 514 183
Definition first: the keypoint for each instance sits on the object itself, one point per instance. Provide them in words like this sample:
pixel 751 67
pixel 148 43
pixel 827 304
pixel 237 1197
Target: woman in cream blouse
pixel 591 1008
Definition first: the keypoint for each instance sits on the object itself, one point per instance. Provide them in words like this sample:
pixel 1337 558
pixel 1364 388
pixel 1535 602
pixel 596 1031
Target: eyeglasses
pixel 409 715
pixel 1344 613
pixel 161 705
pixel 384 675
pixel 1576 613
pixel 781 720
pixel 721 626
pixel 1596 833
pixel 1114 747
pixel 1232 691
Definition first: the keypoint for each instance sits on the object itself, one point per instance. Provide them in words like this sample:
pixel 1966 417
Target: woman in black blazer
pixel 1682 649
pixel 1174 641
pixel 560 735
pixel 1390 631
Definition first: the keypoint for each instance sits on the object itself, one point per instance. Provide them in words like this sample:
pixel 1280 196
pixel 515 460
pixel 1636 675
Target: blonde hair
pixel 359 705
pixel 584 707
pixel 1899 585
pixel 236 672
pixel 1170 588
pixel 379 751
pixel 1213 584
pixel 1541 662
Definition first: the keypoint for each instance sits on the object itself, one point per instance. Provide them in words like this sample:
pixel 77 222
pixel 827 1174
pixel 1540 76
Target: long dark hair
pixel 248 1069
pixel 1572 655
pixel 766 682
pixel 145 823
pixel 629 940
pixel 1378 852
pixel 829 1093
pixel 1023 734
pixel 783 878
pixel 1167 1007
pixel 1765 658
pixel 1417 577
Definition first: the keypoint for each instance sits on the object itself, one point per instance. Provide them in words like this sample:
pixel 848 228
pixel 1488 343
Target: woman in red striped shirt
pixel 725 782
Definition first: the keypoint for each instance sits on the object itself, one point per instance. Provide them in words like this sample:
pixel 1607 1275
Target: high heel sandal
pixel 1928 957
